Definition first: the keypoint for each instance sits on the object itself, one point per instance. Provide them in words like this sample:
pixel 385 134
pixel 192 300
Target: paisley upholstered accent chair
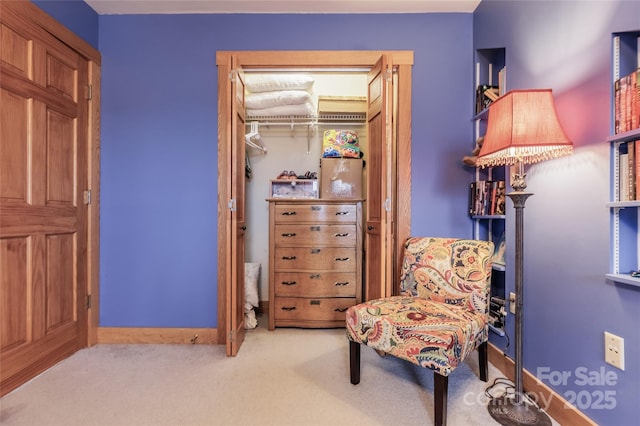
pixel 439 318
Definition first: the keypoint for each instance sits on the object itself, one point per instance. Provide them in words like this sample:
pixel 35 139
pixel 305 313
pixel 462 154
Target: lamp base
pixel 505 411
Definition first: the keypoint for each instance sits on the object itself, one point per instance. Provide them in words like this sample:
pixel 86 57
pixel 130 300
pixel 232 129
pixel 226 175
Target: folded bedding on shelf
pixel 306 109
pixel 263 100
pixel 340 143
pixel 273 82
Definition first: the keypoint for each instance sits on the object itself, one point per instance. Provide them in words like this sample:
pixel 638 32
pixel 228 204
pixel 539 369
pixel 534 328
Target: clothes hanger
pixel 253 138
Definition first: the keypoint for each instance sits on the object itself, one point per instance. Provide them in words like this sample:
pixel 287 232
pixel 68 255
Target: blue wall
pixel 159 143
pixel 158 242
pixel 566 46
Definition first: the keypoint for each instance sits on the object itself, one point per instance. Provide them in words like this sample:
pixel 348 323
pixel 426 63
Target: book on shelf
pixel 631 155
pixel 636 170
pixel 629 171
pixel 626 101
pixel 492 94
pixel 623 169
pixel 502 81
pixel 501 199
pixel 485 95
pixel 487 198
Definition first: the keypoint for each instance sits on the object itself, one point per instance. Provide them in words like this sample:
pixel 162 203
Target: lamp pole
pixel 519 199
pixel 506 410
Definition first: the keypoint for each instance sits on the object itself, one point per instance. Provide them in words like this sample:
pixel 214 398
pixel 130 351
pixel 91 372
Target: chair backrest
pixel 448 270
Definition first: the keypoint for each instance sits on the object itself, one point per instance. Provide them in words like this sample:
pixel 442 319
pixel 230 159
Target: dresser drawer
pixel 315 284
pixel 315 235
pixel 340 259
pixel 294 213
pixel 308 309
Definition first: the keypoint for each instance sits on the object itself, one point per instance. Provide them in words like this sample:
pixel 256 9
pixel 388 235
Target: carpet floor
pixel 283 377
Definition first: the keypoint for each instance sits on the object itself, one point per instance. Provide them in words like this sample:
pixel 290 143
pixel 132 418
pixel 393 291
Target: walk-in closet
pixel 288 128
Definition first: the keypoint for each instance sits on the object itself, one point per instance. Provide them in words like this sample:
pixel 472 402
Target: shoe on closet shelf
pixel 283 174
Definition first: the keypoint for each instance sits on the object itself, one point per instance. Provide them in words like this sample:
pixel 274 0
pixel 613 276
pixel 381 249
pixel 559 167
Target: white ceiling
pixel 118 7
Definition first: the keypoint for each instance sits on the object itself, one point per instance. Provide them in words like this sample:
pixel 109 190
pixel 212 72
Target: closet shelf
pixel 309 120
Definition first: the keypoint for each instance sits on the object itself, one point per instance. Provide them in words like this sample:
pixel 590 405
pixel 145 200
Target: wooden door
pixel 235 309
pixel 43 218
pixel 379 234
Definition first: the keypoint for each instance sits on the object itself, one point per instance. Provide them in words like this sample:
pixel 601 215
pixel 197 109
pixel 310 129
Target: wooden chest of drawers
pixel 315 266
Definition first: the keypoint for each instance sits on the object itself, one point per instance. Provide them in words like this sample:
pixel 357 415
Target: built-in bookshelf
pixel 625 158
pixel 487 189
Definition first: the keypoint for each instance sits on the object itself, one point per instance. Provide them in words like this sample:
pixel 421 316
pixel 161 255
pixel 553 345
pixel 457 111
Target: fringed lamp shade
pixel 523 128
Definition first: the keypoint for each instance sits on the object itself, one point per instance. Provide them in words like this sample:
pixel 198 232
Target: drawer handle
pixel 340 309
pixel 315 208
pixel 314 276
pixel 314 302
pixel 288 308
pixel 288 258
pixel 343 283
pixel 293 234
pixel 341 213
pixel 346 234
pixel 314 228
pixel 315 251
pixel 289 282
pixel 288 213
pixel 341 259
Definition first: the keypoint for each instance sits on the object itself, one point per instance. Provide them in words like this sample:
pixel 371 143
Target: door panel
pixel 60 307
pixel 378 253
pixel 43 170
pixel 13 162
pixel 59 164
pixel 235 310
pixel 13 296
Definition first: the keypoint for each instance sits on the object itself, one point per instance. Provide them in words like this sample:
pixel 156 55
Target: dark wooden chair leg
pixel 440 390
pixel 483 361
pixel 354 362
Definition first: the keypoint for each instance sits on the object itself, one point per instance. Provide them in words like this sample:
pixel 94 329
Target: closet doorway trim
pixel 402 62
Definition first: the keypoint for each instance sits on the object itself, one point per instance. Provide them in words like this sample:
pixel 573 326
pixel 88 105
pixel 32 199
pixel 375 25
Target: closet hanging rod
pixel 318 70
pixel 314 123
pixel 286 123
pixel 324 120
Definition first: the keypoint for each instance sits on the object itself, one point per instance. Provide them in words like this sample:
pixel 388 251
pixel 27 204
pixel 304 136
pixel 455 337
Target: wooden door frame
pixel 29 12
pixel 402 61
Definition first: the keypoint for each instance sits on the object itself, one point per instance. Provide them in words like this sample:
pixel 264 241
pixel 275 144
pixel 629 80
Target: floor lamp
pixel 522 128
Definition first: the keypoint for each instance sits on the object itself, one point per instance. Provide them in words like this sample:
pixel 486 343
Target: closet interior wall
pixel 295 148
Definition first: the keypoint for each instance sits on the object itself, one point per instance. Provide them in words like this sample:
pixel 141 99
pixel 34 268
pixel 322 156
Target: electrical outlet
pixel 512 303
pixel 614 350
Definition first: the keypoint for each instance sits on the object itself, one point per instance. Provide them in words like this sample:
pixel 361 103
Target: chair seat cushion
pixel 427 333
